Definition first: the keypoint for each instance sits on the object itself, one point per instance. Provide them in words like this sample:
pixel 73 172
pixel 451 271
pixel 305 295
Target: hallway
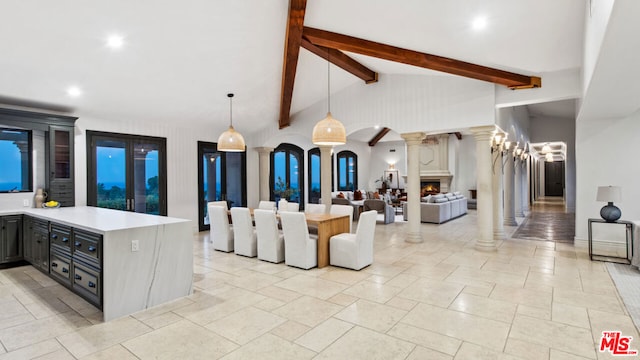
pixel 548 221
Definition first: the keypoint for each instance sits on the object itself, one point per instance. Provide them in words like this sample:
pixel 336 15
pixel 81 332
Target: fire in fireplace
pixel 429 188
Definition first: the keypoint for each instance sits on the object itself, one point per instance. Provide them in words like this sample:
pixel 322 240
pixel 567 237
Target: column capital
pixel 263 150
pixel 325 148
pixel 413 138
pixel 483 132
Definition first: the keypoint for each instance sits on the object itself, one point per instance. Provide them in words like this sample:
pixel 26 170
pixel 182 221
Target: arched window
pixel 287 173
pixel 347 171
pixel 314 176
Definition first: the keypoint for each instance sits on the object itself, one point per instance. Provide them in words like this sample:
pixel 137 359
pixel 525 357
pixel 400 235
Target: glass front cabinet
pixel 60 170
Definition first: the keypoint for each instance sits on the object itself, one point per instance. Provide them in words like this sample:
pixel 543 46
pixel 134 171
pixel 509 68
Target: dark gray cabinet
pixel 36 242
pixel 11 238
pixel 60 165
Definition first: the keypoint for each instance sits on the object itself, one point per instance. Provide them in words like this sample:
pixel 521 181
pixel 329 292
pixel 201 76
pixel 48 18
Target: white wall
pixel 381 156
pixel 606 155
pixel 555 129
pixel 464 173
pixel 597 19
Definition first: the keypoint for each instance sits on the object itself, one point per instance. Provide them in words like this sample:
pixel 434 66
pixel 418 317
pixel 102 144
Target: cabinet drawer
pixel 87 282
pixel 87 245
pixel 60 236
pixel 61 268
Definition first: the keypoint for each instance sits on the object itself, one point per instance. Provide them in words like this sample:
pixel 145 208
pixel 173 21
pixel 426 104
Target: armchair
pixel 381 207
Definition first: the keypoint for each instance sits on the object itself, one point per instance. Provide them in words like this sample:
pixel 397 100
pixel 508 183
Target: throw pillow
pixel 357 195
pixel 340 196
pixel 376 195
pixel 426 198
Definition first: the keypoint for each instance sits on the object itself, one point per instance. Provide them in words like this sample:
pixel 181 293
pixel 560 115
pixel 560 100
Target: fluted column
pixel 483 136
pixel 498 213
pixel 413 141
pixel 525 184
pixel 509 199
pixel 518 188
pixel 325 175
pixel 264 168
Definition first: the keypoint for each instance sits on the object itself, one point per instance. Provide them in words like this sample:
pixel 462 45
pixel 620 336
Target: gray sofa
pixel 381 207
pixel 440 208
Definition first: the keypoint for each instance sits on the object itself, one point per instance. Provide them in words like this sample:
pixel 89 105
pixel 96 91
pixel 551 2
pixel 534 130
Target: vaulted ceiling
pixel 180 59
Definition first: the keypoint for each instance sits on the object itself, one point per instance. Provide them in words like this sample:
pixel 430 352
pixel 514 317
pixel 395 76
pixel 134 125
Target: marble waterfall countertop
pixel 95 219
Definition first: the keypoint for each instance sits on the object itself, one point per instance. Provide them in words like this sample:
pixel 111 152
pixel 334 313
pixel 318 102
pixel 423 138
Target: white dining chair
pixel 354 251
pixel 243 232
pixel 315 208
pixel 266 205
pixel 220 231
pixel 293 206
pixel 300 248
pixel 270 239
pixel 343 210
pixel 219 203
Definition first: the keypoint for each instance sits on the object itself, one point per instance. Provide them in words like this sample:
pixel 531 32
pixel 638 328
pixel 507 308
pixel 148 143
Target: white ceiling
pixel 181 58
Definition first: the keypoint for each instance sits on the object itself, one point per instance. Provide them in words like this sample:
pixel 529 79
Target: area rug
pixel 627 280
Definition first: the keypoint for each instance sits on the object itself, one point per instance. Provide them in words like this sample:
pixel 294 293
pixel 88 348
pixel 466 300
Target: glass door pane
pixel 111 178
pixel 212 180
pixel 62 155
pixel 314 179
pixel 234 170
pixel 294 183
pixel 146 181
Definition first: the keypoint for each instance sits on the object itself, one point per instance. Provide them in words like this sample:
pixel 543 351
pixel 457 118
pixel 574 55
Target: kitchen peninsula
pixel 122 262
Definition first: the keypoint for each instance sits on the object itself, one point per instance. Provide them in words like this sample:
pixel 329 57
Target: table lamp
pixel 609 194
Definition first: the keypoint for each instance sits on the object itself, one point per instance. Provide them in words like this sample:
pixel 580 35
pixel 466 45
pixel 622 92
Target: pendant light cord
pixel 328 81
pixel 230 109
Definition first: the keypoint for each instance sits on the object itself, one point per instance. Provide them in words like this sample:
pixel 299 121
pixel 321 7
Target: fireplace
pixel 429 188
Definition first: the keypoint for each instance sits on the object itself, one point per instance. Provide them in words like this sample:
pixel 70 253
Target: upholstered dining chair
pixel 243 232
pixel 224 204
pixel 266 205
pixel 381 207
pixel 315 208
pixel 293 206
pixel 220 231
pixel 354 251
pixel 300 248
pixel 270 239
pixel 343 210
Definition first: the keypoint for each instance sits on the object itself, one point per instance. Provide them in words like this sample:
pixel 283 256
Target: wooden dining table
pixel 328 225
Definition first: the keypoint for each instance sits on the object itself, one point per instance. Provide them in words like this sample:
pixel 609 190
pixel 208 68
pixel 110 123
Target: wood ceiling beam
pixel 292 43
pixel 379 136
pixel 342 61
pixel 387 52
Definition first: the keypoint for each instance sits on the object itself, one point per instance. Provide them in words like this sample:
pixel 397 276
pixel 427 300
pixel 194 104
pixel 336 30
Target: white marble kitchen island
pixel 160 270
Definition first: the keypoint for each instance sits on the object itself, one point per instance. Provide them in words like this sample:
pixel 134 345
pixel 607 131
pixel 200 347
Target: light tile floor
pixel 441 299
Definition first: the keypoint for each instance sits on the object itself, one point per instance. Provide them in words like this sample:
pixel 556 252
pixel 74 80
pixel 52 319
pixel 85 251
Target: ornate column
pixel 264 166
pixel 483 136
pixel 498 217
pixel 325 175
pixel 509 199
pixel 518 187
pixel 413 141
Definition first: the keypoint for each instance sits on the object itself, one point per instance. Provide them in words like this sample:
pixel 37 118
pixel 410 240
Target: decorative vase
pixel 282 205
pixel 41 195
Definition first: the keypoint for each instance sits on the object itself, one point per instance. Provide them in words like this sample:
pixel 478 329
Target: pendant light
pixel 231 140
pixel 329 131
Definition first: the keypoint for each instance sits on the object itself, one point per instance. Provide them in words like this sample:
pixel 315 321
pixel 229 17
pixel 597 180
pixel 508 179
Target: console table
pixel 628 241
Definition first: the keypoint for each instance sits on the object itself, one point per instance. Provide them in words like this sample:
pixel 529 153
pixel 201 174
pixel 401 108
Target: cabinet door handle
pixel 65 239
pixel 78 277
pixel 92 248
pixel 65 270
pixel 91 284
pixel 54 236
pixel 54 264
pixel 77 244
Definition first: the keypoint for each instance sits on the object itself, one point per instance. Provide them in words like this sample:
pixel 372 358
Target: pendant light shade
pixel 329 131
pixel 231 140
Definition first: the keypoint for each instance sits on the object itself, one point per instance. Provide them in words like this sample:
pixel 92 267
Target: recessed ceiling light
pixel 479 23
pixel 377 127
pixel 74 91
pixel 115 41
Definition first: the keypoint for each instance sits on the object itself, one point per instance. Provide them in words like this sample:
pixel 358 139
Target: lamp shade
pixel 329 131
pixel 609 193
pixel 231 140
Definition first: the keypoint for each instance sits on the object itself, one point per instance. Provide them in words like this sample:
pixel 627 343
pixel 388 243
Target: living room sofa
pixel 440 208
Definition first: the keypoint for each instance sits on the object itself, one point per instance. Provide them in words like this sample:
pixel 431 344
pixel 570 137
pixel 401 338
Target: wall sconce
pixel 392 166
pixel 498 142
pixel 548 157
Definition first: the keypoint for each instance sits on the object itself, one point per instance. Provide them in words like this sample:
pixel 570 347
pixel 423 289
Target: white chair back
pixel 222 203
pixel 354 251
pixel 266 205
pixel 243 232
pixel 343 210
pixel 365 236
pixel 292 206
pixel 220 232
pixel 315 208
pixel 270 239
pixel 300 249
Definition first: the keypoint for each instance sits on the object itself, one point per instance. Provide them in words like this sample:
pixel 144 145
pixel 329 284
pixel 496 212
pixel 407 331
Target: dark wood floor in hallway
pixel 548 221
